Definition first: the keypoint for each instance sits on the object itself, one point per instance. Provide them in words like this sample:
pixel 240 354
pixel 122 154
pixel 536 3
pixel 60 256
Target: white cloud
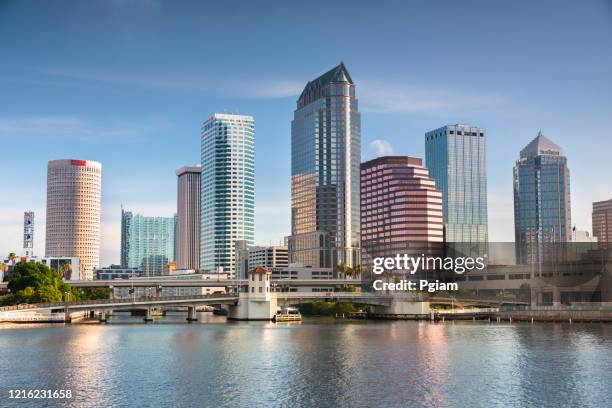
pixel 235 87
pixel 379 147
pixel 382 97
pixel 78 129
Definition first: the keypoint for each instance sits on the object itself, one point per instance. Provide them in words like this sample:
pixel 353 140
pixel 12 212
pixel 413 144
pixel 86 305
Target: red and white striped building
pixel 401 209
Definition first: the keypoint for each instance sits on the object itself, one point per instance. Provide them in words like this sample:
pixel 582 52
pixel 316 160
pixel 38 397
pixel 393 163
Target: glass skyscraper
pixel 455 156
pixel 227 189
pixel 542 215
pixel 146 242
pixel 325 161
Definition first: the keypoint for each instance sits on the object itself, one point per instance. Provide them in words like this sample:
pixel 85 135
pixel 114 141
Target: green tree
pixel 34 282
pixel 524 292
pixel 93 293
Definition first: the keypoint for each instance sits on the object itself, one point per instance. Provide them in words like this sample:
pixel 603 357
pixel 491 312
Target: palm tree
pixel 66 270
pixel 357 270
pixel 342 268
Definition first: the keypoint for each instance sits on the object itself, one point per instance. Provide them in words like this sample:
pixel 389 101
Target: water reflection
pixel 321 362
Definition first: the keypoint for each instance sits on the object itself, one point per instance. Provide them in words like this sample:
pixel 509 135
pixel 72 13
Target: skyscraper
pixel 542 215
pixel 146 242
pixel 188 218
pixel 227 189
pixel 602 222
pixel 401 209
pixel 73 212
pixel 455 156
pixel 325 160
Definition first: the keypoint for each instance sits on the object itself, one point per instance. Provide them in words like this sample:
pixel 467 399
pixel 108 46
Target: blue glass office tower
pixel 455 156
pixel 146 242
pixel 542 211
pixel 325 171
pixel 227 189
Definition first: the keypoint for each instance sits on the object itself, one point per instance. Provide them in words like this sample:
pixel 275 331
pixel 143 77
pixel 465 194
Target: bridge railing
pixel 466 311
pixel 102 302
pixel 578 306
pixel 349 295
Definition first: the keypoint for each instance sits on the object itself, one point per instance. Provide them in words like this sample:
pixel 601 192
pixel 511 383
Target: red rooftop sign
pixel 78 162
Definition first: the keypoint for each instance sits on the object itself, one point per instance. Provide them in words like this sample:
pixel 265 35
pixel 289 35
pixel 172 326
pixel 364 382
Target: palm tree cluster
pixel 348 271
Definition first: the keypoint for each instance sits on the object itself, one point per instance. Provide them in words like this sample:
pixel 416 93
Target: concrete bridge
pixel 199 283
pixel 259 300
pixel 105 306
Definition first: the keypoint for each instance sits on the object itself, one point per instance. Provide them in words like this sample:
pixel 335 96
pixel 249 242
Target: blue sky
pixel 128 83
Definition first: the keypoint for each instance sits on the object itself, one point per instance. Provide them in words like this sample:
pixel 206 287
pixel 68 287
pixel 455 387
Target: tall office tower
pixel 146 242
pixel 325 159
pixel 187 236
pixel 542 215
pixel 456 159
pixel 73 212
pixel 28 234
pixel 227 189
pixel 401 209
pixel 602 222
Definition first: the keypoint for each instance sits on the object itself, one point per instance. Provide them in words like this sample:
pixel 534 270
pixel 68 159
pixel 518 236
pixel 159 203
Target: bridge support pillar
pixel 102 316
pixel 148 317
pixel 191 314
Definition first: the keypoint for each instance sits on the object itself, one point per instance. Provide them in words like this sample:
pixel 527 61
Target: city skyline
pixel 59 108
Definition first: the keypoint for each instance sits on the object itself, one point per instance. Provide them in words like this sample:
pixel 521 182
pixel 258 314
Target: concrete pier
pixel 148 317
pixel 191 314
pixel 103 316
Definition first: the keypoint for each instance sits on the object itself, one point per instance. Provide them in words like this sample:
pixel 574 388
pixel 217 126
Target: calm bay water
pixel 321 362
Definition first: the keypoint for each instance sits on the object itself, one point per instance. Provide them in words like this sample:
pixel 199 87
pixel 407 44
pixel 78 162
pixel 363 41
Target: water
pixel 321 362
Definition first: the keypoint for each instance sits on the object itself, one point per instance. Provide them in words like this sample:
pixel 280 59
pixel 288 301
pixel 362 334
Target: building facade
pixel 456 158
pixel 268 257
pixel 401 209
pixel 147 243
pixel 117 272
pixel 74 192
pixel 602 222
pixel 542 207
pixel 188 218
pixel 227 189
pixel 325 159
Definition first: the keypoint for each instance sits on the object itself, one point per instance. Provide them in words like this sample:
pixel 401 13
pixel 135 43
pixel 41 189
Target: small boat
pixel 287 314
pixel 219 311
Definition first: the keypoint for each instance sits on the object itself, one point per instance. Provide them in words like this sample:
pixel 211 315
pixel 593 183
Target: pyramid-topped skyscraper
pixel 325 161
pixel 542 205
pixel 541 145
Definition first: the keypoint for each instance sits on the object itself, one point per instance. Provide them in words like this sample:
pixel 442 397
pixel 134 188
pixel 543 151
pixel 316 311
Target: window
pixel 260 289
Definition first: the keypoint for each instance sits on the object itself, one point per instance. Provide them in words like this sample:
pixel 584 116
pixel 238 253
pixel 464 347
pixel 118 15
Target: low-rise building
pixel 125 292
pixel 117 272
